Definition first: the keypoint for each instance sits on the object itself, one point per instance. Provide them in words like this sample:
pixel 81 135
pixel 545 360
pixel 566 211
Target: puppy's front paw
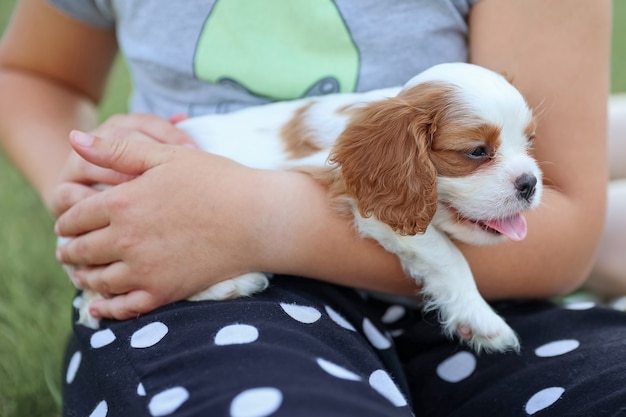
pixel 481 328
pixel 241 286
pixel 490 338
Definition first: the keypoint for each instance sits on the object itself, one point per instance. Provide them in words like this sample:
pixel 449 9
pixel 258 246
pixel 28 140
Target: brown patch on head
pixel 392 151
pixel 457 138
pixel 297 137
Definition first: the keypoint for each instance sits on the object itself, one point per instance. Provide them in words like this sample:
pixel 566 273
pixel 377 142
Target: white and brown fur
pixel 442 158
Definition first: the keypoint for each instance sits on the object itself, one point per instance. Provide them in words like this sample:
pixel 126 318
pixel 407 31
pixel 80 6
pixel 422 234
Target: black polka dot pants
pixel 304 348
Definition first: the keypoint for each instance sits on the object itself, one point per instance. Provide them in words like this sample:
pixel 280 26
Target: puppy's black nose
pixel 525 185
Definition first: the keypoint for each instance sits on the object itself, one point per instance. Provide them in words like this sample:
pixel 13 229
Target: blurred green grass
pixel 35 294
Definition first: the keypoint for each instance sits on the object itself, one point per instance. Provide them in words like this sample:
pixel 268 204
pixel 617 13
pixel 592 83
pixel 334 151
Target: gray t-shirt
pixel 206 56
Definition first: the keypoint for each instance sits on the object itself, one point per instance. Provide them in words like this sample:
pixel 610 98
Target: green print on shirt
pixel 278 49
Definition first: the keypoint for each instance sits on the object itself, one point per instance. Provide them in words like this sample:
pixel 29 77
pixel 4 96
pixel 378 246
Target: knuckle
pixel 118 149
pixel 78 250
pixel 101 284
pixel 126 242
pixel 116 202
pixel 145 304
pixel 61 199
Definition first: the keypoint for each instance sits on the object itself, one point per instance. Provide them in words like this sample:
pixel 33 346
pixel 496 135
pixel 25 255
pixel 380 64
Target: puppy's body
pixel 446 156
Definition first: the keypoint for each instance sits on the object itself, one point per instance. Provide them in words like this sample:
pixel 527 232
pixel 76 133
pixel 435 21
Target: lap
pixel 304 348
pixel 294 350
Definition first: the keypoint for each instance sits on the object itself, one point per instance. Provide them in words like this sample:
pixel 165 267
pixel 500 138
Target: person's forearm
pixel 36 116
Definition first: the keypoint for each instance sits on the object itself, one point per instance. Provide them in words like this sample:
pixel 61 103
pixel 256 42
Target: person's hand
pixel 186 220
pixel 79 176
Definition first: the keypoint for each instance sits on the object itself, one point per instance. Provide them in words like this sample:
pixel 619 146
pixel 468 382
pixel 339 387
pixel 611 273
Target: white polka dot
pixel 376 338
pixel 168 401
pixel 559 347
pixel 337 371
pixel 236 334
pixel 543 399
pixel 338 318
pixel 581 305
pixel 102 338
pixel 396 333
pixel 457 367
pixel 149 335
pixel 141 390
pixel 619 304
pixel 101 410
pixel 72 368
pixel 256 402
pixel 384 385
pixel 393 314
pixel 303 314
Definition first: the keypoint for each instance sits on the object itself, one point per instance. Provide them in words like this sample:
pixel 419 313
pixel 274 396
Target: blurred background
pixel 35 295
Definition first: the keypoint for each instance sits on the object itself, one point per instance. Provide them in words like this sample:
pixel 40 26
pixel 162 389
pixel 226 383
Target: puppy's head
pixel 451 149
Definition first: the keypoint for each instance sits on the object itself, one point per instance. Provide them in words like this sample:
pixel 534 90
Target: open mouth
pixel 514 227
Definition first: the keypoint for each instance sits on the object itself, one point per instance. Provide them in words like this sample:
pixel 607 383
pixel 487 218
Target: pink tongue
pixel 512 227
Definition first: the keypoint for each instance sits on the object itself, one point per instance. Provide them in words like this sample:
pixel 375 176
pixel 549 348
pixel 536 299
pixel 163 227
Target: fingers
pixel 108 280
pixel 124 155
pixel 87 215
pixel 93 249
pixel 156 128
pixel 122 300
pixel 177 118
pixel 68 194
pixel 124 306
pixel 80 171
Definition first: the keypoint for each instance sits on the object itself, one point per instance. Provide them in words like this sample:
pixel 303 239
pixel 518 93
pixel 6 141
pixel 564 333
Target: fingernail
pixel 95 313
pixel 81 138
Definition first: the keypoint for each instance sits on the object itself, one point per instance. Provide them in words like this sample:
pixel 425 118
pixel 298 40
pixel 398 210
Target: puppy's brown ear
pixel 384 159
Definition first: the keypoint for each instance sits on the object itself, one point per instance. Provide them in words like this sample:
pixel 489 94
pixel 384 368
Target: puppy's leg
pixel 447 284
pixel 449 287
pixel 462 311
pixel 241 286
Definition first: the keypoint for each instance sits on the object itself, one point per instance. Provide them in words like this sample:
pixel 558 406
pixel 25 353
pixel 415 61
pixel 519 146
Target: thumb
pixel 123 155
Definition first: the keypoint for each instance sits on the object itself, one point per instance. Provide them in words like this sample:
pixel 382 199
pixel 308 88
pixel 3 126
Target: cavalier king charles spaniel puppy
pixel 444 158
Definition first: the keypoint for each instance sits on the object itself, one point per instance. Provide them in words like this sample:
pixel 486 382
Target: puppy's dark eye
pixel 530 141
pixel 479 152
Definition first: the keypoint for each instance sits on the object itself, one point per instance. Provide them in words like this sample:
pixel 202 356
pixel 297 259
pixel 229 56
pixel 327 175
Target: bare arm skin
pixel 51 80
pixel 50 84
pixel 558 55
pixel 231 219
pixel 608 277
